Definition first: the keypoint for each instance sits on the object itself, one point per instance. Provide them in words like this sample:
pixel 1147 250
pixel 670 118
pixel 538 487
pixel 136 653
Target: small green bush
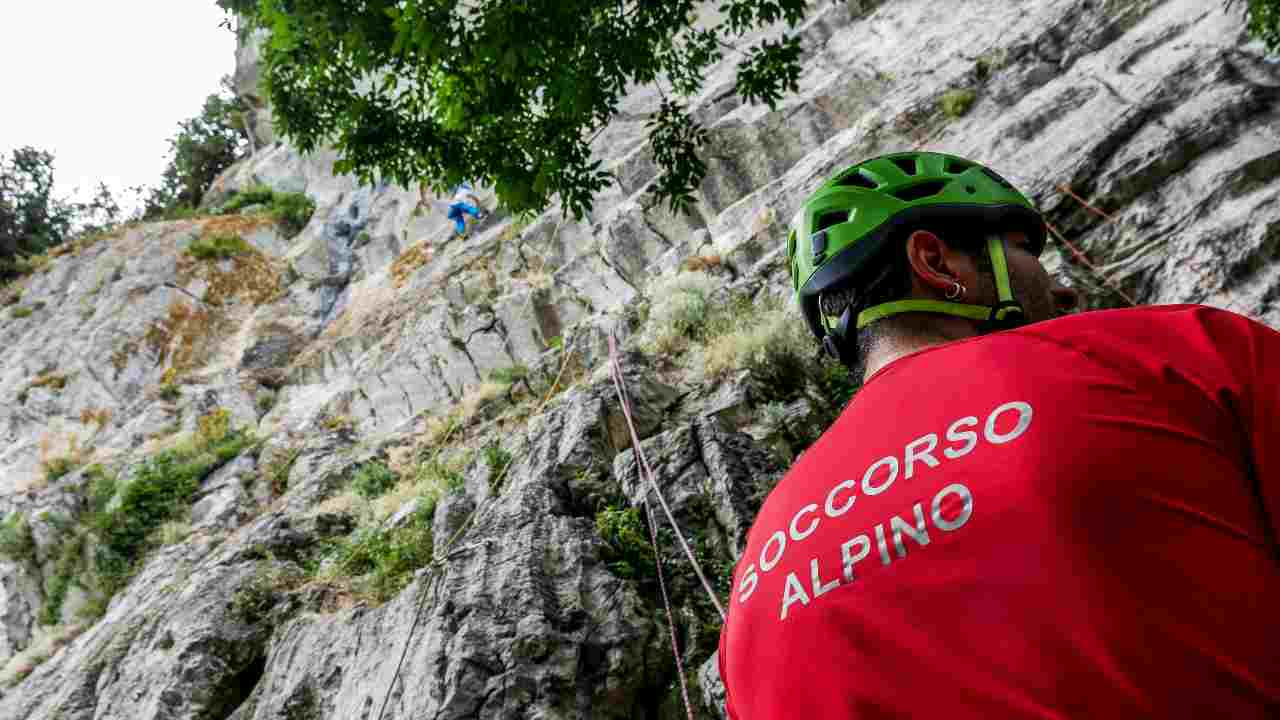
pixel 373 479
pixel 509 375
pixel 219 246
pixel 383 559
pixel 22 311
pixel 252 195
pixel 292 211
pixel 161 489
pixel 16 542
pixel 680 306
pixel 253 601
pixel 170 391
pixel 66 567
pixel 497 459
pixel 956 103
pixel 266 400
pixel 102 487
pixel 57 468
pixel 628 552
pixel 448 477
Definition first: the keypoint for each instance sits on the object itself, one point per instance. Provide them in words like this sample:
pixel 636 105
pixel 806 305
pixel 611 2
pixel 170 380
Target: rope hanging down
pixel 642 462
pixel 666 605
pixel 642 465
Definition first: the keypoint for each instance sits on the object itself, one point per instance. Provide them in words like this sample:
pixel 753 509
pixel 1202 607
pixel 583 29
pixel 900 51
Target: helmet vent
pixel 920 190
pixel 906 164
pixel 955 167
pixel 828 219
pixel 991 174
pixel 857 179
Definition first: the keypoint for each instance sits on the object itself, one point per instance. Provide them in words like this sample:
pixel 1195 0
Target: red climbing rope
pixel 1066 190
pixel 666 604
pixel 642 464
pixel 1085 259
pixel 615 370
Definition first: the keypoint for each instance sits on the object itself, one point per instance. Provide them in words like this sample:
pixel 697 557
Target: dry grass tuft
pixel 172 532
pixel 701 263
pixel 25 662
pixel 51 380
pixel 252 276
pixel 346 502
pixel 753 342
pixel 408 262
pixel 234 224
pixel 679 310
pixel 96 416
pixel 186 337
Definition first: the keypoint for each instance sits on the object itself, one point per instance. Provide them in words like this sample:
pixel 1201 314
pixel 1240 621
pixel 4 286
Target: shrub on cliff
pixel 161 489
pixel 1264 22
pixel 292 211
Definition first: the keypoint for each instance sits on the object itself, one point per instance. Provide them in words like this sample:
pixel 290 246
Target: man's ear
pixel 933 264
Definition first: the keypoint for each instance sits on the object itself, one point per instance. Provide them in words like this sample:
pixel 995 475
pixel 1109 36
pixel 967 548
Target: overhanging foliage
pixel 508 92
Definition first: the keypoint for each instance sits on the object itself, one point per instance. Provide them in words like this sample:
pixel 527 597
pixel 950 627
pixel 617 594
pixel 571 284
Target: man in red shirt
pixel 1017 516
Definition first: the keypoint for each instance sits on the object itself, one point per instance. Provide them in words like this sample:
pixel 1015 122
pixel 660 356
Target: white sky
pixel 102 85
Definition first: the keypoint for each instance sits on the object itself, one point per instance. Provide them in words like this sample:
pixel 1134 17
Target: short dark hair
pixel 890 280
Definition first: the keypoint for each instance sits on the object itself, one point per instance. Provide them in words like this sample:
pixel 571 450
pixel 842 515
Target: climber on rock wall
pixel 464 203
pixel 1019 514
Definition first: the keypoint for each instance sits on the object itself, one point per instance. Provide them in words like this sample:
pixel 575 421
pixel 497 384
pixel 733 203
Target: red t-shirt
pixel 1072 519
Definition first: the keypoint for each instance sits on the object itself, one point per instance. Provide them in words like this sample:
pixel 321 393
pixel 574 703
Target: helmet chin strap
pixel 1007 313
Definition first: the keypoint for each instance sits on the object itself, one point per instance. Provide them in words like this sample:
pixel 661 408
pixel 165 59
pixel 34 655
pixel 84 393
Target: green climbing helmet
pixel 842 227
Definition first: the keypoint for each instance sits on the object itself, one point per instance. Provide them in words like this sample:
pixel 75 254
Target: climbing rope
pixel 666 605
pixel 642 465
pixel 1079 255
pixel 615 370
pixel 1065 189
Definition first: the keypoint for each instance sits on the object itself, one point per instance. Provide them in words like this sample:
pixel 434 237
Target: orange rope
pixel 1085 259
pixel 1066 189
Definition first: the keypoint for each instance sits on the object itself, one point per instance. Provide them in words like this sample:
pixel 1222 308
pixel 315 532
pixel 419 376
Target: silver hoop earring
pixel 956 291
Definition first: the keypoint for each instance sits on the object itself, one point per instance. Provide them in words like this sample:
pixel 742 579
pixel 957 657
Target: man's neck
pixel 901 342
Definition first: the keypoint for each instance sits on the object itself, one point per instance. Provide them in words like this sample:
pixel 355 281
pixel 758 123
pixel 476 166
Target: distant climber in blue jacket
pixel 464 203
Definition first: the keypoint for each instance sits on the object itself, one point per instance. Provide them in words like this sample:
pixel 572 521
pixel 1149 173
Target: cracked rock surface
pixel 1148 131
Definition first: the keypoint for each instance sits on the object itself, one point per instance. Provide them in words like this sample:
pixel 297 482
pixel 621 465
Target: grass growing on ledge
pixel 69 554
pixel 218 246
pixel 373 479
pixel 956 103
pixel 382 559
pixel 161 489
pixel 291 211
pixel 16 542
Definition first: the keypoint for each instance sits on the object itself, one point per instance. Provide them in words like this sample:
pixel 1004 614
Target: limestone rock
pixel 1146 131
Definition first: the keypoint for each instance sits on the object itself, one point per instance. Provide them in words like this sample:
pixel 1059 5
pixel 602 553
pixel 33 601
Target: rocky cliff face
pixel 435 506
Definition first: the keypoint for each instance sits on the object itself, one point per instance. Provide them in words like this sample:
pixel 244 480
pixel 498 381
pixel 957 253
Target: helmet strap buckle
pixel 837 342
pixel 1005 315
